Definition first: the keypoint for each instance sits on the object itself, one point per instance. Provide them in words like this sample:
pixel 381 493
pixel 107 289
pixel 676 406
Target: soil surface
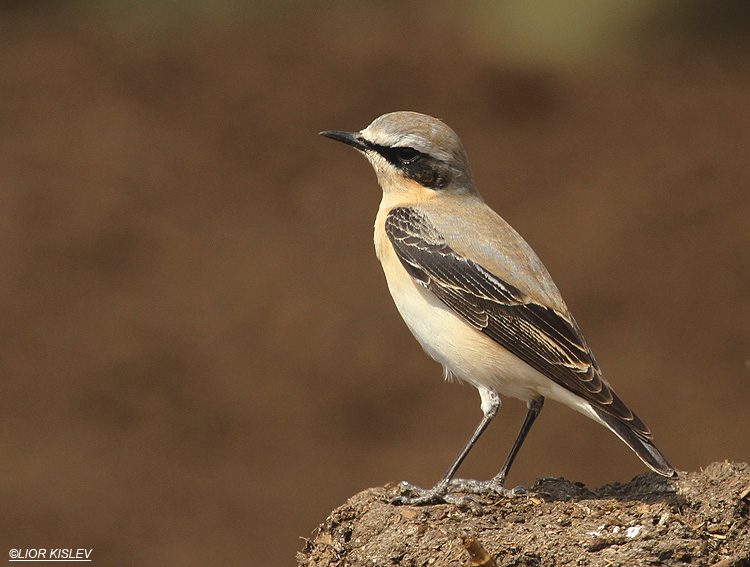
pixel 699 519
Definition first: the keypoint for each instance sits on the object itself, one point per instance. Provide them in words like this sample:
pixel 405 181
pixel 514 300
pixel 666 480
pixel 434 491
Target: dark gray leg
pixel 497 483
pixel 439 492
pixel 534 407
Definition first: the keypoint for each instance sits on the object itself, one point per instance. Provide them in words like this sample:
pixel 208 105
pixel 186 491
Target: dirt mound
pixel 699 519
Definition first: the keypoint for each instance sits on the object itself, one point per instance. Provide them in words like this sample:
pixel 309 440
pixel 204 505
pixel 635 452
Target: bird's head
pixel 412 152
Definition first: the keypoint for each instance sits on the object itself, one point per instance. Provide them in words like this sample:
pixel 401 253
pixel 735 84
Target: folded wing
pixel 547 340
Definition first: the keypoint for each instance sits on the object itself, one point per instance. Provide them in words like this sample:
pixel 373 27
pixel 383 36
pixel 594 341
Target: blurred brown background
pixel 200 358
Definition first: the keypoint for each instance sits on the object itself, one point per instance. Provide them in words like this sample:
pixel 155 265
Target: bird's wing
pixel 547 340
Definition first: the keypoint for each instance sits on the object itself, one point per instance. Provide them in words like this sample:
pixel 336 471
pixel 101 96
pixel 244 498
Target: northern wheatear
pixel 476 296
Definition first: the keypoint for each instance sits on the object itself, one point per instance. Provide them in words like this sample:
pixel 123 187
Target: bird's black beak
pixel 353 139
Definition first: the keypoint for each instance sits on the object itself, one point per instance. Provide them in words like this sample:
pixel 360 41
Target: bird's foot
pixel 483 487
pixel 412 495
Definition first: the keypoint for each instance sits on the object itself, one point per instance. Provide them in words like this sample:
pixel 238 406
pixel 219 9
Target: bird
pixel 476 296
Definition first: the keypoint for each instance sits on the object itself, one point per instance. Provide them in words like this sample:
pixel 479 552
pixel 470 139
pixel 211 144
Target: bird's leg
pixel 497 483
pixel 439 493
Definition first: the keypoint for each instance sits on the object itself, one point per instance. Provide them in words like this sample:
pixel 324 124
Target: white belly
pixel 463 350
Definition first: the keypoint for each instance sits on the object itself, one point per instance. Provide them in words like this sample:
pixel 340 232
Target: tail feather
pixel 645 450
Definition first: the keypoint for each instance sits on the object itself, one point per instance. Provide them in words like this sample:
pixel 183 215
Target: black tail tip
pixel 645 450
pixel 671 475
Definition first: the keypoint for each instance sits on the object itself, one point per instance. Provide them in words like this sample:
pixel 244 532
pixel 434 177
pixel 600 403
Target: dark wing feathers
pixel 546 340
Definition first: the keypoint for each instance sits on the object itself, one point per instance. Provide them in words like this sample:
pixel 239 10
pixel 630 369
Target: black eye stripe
pixel 398 156
pixel 408 155
pixel 426 170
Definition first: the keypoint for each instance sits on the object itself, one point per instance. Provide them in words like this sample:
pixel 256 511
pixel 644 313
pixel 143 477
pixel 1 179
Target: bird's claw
pixel 411 495
pixel 483 487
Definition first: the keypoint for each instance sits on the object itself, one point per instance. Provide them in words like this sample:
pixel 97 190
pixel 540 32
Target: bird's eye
pixel 407 155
